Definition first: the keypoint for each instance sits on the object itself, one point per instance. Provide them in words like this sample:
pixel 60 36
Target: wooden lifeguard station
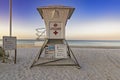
pixel 55 47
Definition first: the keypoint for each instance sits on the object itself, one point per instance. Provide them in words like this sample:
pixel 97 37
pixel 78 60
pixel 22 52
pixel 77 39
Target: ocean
pixel 105 43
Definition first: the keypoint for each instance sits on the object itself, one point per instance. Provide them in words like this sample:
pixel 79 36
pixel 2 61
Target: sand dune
pixel 96 64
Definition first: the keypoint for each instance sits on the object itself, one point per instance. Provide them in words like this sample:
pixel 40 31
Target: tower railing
pixel 40 33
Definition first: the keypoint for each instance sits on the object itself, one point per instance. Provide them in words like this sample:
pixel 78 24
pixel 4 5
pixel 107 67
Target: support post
pixel 15 56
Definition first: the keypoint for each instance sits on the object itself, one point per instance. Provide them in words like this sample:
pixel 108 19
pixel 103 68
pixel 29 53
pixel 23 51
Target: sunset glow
pixel 91 20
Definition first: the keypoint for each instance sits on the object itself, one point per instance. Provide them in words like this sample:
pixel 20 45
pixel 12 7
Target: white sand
pixel 97 64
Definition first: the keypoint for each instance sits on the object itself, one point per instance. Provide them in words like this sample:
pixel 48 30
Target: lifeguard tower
pixel 55 51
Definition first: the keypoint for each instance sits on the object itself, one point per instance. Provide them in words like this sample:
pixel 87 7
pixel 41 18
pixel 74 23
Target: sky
pixel 91 20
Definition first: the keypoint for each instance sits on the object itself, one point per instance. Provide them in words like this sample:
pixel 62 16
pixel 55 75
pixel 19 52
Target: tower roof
pixel 71 9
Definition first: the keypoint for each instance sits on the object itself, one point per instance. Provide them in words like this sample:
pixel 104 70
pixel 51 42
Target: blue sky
pixel 91 20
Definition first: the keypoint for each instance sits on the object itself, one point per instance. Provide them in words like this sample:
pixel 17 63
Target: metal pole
pixel 10 8
pixel 10 11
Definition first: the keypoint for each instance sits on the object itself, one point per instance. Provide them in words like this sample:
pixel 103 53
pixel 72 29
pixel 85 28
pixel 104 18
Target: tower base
pixel 42 61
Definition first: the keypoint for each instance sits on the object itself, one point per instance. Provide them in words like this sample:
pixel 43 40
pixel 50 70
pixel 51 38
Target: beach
pixel 96 64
